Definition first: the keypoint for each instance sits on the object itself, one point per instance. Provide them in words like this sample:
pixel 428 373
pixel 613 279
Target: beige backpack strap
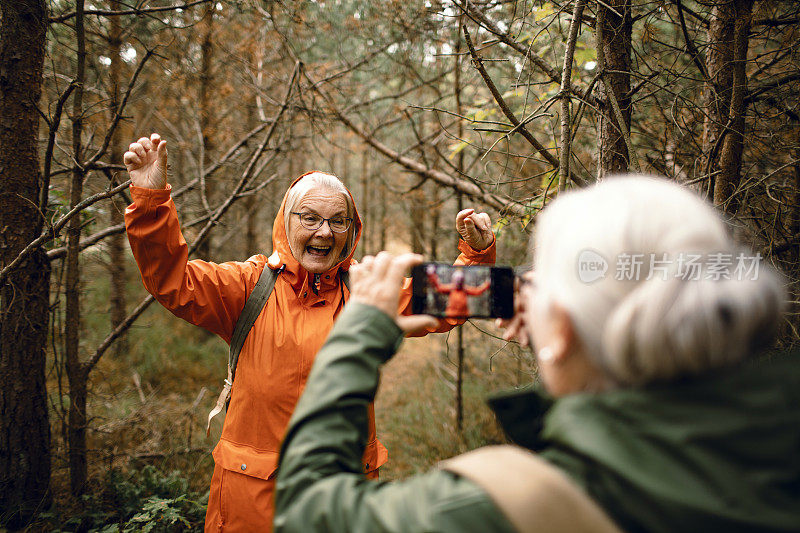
pixel 222 401
pixel 533 494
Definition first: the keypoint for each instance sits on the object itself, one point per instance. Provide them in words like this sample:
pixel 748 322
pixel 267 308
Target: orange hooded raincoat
pixel 277 355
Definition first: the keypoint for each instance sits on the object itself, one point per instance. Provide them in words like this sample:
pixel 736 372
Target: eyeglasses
pixel 312 221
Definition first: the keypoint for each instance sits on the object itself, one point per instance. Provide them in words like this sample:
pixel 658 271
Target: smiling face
pixel 321 249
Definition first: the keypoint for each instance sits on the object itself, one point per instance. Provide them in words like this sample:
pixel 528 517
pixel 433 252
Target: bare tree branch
pixel 758 90
pixel 91 240
pixel 118 114
pixel 109 13
pixel 776 22
pixel 703 20
pixel 51 141
pixel 461 185
pixel 696 57
pixel 58 253
pixel 566 81
pixel 213 220
pixel 518 126
pixel 58 226
pixel 480 18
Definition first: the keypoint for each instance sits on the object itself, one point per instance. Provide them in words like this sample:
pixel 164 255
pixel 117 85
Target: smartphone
pixel 455 291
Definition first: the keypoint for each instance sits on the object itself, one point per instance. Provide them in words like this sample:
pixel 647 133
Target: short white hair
pixel 316 180
pixel 671 325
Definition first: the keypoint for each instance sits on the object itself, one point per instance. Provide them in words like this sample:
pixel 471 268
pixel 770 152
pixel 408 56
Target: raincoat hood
pixel 282 255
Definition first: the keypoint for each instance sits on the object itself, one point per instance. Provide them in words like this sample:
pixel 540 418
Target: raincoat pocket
pixel 375 455
pixel 246 459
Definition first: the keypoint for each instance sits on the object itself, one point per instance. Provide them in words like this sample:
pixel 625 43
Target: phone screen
pixel 454 291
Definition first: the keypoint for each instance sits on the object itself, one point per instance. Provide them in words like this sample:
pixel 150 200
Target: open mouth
pixel 319 251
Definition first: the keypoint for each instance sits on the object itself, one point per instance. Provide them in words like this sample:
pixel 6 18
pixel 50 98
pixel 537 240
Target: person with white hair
pixel 664 408
pixel 314 238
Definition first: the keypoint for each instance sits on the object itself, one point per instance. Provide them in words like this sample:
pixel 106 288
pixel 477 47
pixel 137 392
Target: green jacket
pixel 720 453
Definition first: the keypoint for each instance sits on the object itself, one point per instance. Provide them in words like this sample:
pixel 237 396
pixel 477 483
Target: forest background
pixel 421 107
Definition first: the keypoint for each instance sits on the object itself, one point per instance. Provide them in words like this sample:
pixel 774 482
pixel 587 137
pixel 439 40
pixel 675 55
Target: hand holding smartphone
pixel 455 291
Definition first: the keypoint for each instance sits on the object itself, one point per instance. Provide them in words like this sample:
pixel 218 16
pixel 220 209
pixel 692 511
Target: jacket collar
pixel 521 414
pixel 529 415
pixel 706 450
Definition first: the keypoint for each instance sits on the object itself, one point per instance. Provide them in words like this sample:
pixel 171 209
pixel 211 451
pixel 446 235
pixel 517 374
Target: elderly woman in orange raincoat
pixel 314 237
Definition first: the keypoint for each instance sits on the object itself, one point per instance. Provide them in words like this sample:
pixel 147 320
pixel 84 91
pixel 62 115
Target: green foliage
pixel 159 514
pixel 141 500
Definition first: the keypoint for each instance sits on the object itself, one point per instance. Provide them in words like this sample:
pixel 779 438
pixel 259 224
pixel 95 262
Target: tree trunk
pixel 724 108
pixel 565 151
pixel 207 118
pixel 72 312
pixel 719 57
pixel 24 297
pixel 365 203
pixel 736 15
pixel 435 214
pixel 382 219
pixel 345 172
pixel 615 40
pixel 116 243
pixel 416 222
pixel 459 206
pixel 251 212
pixel 418 212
